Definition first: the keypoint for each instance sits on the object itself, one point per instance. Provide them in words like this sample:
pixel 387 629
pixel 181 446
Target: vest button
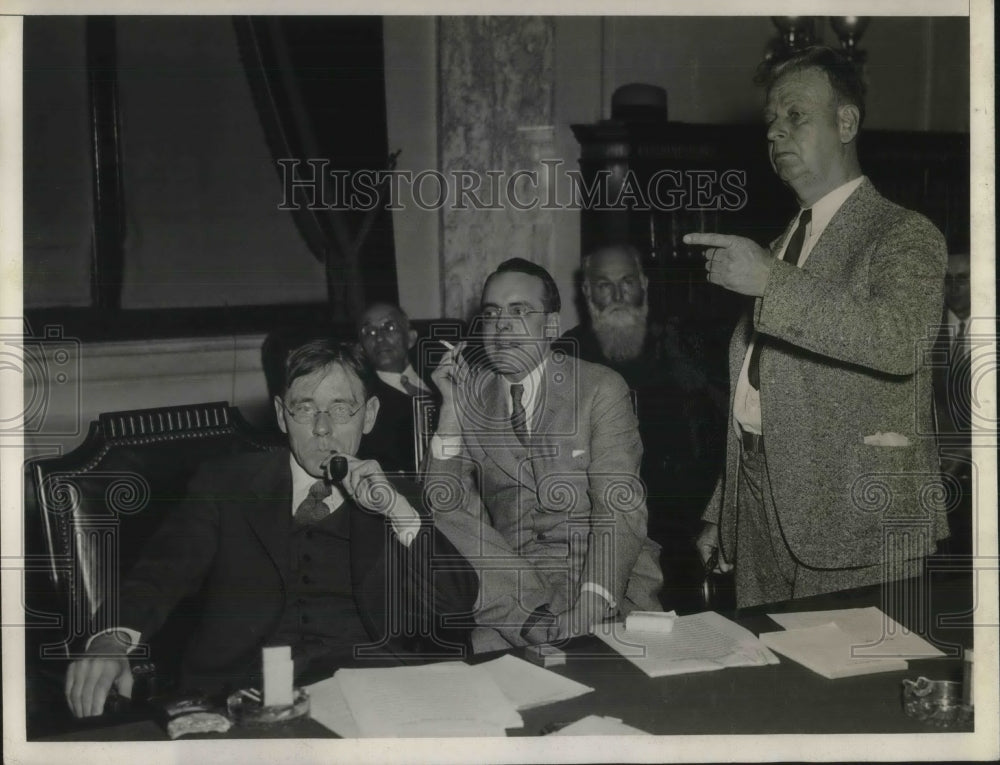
pixel 306 557
pixel 309 534
pixel 306 579
pixel 305 618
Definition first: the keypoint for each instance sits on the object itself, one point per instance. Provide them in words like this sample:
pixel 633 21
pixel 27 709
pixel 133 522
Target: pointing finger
pixel 709 240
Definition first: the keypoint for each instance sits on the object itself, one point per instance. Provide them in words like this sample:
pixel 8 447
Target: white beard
pixel 620 329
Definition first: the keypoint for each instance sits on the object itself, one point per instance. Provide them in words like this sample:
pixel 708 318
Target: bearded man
pixel 678 423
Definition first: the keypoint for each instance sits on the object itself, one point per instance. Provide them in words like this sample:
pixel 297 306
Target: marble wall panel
pixel 497 81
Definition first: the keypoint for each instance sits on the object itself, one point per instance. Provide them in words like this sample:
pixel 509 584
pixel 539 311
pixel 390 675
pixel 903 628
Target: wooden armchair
pixel 94 508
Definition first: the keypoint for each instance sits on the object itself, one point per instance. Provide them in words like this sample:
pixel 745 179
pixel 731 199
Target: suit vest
pixel 320 619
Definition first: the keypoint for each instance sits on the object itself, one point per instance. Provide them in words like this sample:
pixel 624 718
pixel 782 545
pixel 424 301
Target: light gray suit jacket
pixel 570 509
pixel 842 362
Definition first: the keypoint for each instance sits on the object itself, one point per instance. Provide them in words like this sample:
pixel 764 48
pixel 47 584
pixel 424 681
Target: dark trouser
pixel 766 570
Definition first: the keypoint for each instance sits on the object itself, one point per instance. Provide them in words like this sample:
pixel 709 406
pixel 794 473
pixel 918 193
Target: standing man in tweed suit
pixel 830 475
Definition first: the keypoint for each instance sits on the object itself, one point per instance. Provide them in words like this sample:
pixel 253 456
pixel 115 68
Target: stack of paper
pixel 696 643
pixel 528 686
pixel 449 699
pixel 650 621
pixel 846 642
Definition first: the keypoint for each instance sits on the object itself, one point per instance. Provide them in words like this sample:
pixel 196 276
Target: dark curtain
pixel 319 87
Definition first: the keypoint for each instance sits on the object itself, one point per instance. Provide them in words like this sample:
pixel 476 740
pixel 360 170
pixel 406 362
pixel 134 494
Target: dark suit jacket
pixel 392 442
pixel 679 425
pixel 228 540
pixel 840 365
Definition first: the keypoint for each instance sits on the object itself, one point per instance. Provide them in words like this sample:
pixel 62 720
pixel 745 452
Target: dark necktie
pixel 409 387
pixel 313 509
pixel 962 338
pixel 792 254
pixel 518 417
pixel 960 380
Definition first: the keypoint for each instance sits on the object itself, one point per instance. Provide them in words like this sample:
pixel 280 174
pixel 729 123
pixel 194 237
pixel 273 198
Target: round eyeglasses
pixel 494 313
pixel 306 412
pixel 390 327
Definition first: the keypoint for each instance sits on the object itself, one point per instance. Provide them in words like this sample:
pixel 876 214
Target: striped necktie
pixel 518 417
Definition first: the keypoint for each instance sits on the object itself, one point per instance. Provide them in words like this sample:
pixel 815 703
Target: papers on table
pixel 696 643
pixel 328 706
pixel 826 649
pixel 448 699
pixel 650 621
pixel 873 632
pixel 846 642
pixel 595 725
pixel 528 686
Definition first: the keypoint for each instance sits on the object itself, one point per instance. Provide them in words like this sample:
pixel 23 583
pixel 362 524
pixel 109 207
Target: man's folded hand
pixel 89 680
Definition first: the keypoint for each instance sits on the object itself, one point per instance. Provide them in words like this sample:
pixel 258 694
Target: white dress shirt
pixel 394 379
pixel 746 401
pixel 954 322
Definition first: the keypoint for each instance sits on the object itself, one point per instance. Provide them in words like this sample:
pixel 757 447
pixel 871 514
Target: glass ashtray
pixel 936 702
pixel 245 709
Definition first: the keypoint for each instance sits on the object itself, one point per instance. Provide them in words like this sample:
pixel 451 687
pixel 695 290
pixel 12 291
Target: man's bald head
pixel 385 334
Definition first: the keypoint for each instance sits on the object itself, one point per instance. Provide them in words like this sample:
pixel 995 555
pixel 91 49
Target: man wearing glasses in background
pixel 534 473
pixel 387 338
pixel 284 554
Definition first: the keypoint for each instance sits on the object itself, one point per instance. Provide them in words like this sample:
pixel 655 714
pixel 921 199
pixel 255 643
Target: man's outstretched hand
pixel 734 262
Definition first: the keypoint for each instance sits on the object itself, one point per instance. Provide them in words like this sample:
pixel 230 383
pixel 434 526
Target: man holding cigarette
pixel 831 479
pixel 282 552
pixel 534 473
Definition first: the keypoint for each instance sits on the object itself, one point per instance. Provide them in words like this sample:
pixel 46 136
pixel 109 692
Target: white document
pixel 328 707
pixel 528 685
pixel 874 633
pixel 698 643
pixel 594 725
pixel 448 699
pixel 826 649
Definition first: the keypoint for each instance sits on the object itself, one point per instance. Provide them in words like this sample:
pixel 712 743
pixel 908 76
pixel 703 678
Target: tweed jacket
pixel 570 509
pixel 840 367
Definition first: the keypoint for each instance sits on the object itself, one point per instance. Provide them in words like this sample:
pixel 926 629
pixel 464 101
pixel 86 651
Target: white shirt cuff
pixel 405 521
pixel 445 447
pixel 133 637
pixel 596 588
